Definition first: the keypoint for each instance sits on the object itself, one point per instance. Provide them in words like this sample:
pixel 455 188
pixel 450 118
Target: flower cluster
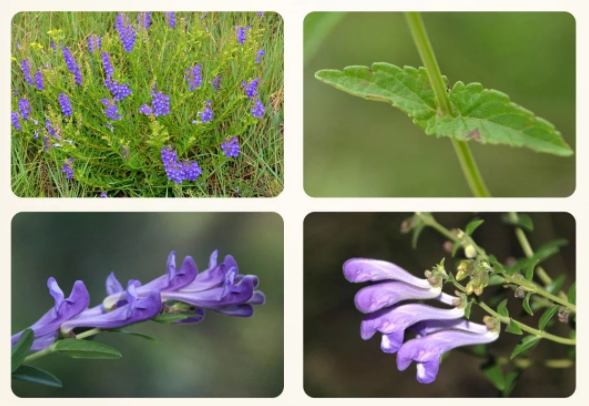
pixel 14 118
pixel 230 147
pixel 109 70
pixel 39 80
pixel 24 108
pixel 259 55
pixel 161 104
pixel 194 77
pixel 437 330
pixel 94 43
pixel 258 109
pixel 67 168
pixel 171 19
pixel 145 109
pixel 25 66
pixel 112 110
pixel 144 20
pixel 50 129
pixel 220 288
pixel 207 114
pixel 126 31
pixel 216 82
pixel 72 66
pixel 179 172
pixel 251 87
pixel 241 35
pixel 66 106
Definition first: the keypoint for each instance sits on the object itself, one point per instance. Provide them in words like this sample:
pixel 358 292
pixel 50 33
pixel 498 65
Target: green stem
pixel 88 333
pixel 51 348
pixel 426 52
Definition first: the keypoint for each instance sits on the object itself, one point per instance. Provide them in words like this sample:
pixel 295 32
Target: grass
pixel 159 59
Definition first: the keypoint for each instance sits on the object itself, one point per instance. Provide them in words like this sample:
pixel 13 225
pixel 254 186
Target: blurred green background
pixel 354 147
pixel 220 357
pixel 338 363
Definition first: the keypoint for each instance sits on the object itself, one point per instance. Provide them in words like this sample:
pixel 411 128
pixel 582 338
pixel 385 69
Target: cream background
pixel 293 204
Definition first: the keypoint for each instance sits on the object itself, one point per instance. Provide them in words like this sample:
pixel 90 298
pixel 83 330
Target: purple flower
pixel 66 106
pixel 25 108
pixel 14 118
pixel 216 82
pixel 112 110
pixel 136 309
pixel 127 33
pixel 50 129
pixel 207 114
pixel 260 13
pixel 428 350
pixel 52 45
pixel 358 270
pixel 25 66
pixel 103 195
pixel 46 328
pixel 145 109
pixel 72 65
pixel 171 19
pixel 241 35
pixel 67 168
pixel 194 77
pixel 259 55
pixel 119 92
pixel 171 165
pixel 251 88
pixel 144 20
pixel 94 43
pixel 161 104
pixel 190 171
pixel 230 147
pixel 107 64
pixel 39 80
pixel 258 109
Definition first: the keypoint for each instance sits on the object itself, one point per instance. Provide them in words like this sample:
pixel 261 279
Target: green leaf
pixel 530 270
pixel 472 226
pixel 513 328
pixel 510 381
pixel 170 318
pixel 416 232
pixel 20 350
pixel 489 117
pixel 455 248
pixel 523 221
pixel 547 315
pixel 494 374
pixel 556 284
pixel 406 88
pixel 133 333
pixel 467 309
pixel 526 304
pixel 502 308
pixel 572 294
pixel 526 345
pixel 36 375
pixel 75 348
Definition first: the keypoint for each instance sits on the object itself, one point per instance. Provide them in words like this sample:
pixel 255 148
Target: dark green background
pixel 354 147
pixel 220 357
pixel 338 363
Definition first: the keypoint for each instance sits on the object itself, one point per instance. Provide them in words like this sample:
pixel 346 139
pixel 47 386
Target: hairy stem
pixel 426 52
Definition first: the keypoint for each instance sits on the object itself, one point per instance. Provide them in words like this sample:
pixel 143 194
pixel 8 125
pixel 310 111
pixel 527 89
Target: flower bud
pixel 563 314
pixel 470 251
pixel 448 245
pixel 464 269
pixel 519 292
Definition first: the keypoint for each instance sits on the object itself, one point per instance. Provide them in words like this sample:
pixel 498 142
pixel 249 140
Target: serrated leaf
pixel 472 226
pixel 406 88
pixel 31 374
pixel 572 294
pixel 170 318
pixel 21 348
pixel 526 303
pixel 502 308
pixel 513 328
pixel 523 221
pixel 556 284
pixel 132 333
pixel 526 344
pixel 546 316
pixel 530 270
pixel 510 381
pixel 494 374
pixel 489 117
pixel 75 348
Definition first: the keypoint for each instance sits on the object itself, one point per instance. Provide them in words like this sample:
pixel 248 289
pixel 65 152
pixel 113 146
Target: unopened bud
pixel 469 288
pixel 491 323
pixel 563 314
pixel 448 246
pixel 510 261
pixel 470 251
pixel 406 226
pixel 520 292
pixel 464 269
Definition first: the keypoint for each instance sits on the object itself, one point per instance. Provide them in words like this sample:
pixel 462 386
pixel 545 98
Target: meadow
pixel 147 104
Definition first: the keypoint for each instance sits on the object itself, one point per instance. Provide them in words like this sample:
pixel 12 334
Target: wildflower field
pixel 147 104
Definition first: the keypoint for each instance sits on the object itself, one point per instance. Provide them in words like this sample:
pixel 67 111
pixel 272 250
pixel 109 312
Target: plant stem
pixel 426 52
pixel 88 333
pixel 51 348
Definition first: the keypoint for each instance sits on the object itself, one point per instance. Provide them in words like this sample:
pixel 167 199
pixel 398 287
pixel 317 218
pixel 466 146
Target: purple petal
pixel 400 317
pixel 258 298
pixel 113 286
pixel 427 371
pixel 43 342
pixel 216 297
pixel 244 310
pixel 431 326
pixel 375 297
pixel 199 315
pixel 359 270
pixel 55 292
pixel 390 343
pixel 212 277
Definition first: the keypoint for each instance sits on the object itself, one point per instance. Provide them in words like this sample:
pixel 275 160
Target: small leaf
pixel 494 374
pixel 170 318
pixel 472 226
pixel 526 345
pixel 546 316
pixel 502 308
pixel 530 270
pixel 36 375
pixel 526 304
pixel 556 284
pixel 572 294
pixel 513 328
pixel 523 221
pixel 132 333
pixel 75 348
pixel 495 280
pixel 510 381
pixel 416 233
pixel 497 266
pixel 467 309
pixel 21 348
